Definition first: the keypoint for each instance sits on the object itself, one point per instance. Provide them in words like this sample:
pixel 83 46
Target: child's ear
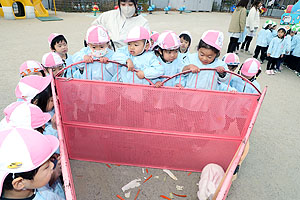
pixel 147 46
pixel 18 183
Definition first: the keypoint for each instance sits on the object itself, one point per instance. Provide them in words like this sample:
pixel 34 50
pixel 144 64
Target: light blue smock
pixel 239 84
pixel 264 37
pixel 47 193
pixel 288 44
pixel 146 62
pixel 182 56
pixel 295 48
pixel 276 47
pixel 69 71
pixel 205 78
pixel 274 33
pixel 94 70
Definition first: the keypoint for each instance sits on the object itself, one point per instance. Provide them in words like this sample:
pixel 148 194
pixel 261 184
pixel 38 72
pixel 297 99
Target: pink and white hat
pixel 250 67
pixel 30 66
pixel 154 35
pixel 231 59
pixel 168 40
pixel 52 60
pixel 51 37
pixel 29 86
pixel 25 114
pixel 97 35
pixel 213 38
pixel 23 150
pixel 137 33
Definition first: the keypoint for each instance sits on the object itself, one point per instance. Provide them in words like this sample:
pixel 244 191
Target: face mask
pixel 99 53
pixel 128 11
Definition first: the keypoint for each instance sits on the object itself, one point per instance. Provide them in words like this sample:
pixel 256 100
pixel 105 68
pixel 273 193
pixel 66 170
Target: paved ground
pixel 271 169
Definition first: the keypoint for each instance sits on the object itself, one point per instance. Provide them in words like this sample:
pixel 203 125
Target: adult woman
pixel 252 24
pixel 118 22
pixel 237 25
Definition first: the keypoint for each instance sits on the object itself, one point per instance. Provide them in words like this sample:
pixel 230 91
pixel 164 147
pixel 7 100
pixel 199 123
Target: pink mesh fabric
pixel 139 125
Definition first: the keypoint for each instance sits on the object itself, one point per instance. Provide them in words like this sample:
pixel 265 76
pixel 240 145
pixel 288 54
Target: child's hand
pixel 281 56
pixel 88 59
pixel 179 85
pixel 130 65
pixel 220 69
pixel 158 84
pixel 140 74
pixel 105 60
pixel 194 68
pixel 268 55
pixel 53 122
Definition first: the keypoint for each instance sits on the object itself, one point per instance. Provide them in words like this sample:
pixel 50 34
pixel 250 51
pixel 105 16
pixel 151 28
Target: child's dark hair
pixel 232 67
pixel 282 29
pixel 242 3
pixel 56 40
pixel 133 1
pixel 186 37
pixel 202 44
pixel 7 184
pixel 41 99
pixel 268 27
pixel 256 3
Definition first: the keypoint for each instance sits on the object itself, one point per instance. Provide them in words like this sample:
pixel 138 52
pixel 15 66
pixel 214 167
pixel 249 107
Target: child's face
pixel 50 104
pixel 61 48
pixel 55 70
pixel 206 56
pixel 184 45
pixel 247 77
pixel 98 47
pixel 170 55
pixel 280 34
pixel 232 67
pixel 292 33
pixel 42 177
pixel 135 48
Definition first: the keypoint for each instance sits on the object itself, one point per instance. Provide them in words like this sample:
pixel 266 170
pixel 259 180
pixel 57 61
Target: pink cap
pixel 97 35
pixel 51 37
pixel 250 67
pixel 137 33
pixel 154 36
pixel 25 114
pixel 213 38
pixel 52 59
pixel 29 86
pixel 231 59
pixel 23 150
pixel 30 66
pixel 168 40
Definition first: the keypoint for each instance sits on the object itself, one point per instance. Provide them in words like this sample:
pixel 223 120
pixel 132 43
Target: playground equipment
pixel 21 9
pixel 181 9
pixel 180 129
pixel 95 9
pixel 151 8
pixel 166 9
pixel 291 15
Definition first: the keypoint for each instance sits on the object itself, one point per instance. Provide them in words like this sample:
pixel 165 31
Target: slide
pixel 19 9
pixel 39 9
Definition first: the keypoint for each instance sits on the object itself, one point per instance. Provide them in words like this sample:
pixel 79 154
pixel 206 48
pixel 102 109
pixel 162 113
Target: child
pixel 288 44
pixel 295 55
pixel 232 61
pixel 26 172
pixel 31 67
pixel 209 48
pixel 167 51
pixel 250 70
pixel 263 40
pixel 186 40
pixel 137 58
pixel 153 39
pixel 98 42
pixel 59 44
pixel 53 61
pixel 275 51
pixel 273 29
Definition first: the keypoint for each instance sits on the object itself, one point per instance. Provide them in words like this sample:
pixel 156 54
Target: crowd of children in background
pixel 146 57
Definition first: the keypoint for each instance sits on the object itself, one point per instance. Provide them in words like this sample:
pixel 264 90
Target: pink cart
pixel 181 129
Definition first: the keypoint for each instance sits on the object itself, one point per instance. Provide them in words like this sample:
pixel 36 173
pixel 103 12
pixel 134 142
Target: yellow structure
pixel 20 9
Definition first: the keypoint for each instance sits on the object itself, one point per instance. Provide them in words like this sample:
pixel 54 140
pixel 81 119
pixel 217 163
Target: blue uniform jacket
pixel 264 37
pixel 276 47
pixel 239 85
pixel 296 45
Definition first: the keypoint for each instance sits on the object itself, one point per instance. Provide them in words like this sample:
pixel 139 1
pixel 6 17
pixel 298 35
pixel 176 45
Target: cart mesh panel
pixel 140 125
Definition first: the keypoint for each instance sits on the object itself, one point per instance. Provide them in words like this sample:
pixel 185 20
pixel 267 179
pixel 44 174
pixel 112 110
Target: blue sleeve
pixel 224 87
pixel 270 48
pixel 294 43
pixel 77 57
pixel 154 70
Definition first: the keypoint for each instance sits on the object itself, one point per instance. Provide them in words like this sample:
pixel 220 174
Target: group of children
pixel 34 172
pixel 278 47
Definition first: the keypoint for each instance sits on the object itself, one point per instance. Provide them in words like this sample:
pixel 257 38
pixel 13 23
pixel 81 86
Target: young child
pixel 31 67
pixel 232 61
pixel 263 40
pixel 167 51
pixel 58 43
pixel 153 39
pixel 141 63
pixel 273 29
pixel 250 69
pixel 209 48
pixel 53 61
pixel 186 40
pixel 275 51
pixel 26 172
pixel 288 44
pixel 295 55
pixel 97 48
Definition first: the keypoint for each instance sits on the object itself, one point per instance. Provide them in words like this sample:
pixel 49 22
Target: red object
pixel 147 178
pixel 179 195
pixel 162 196
pixel 190 173
pixel 289 9
pixel 120 197
pixel 137 194
pixel 116 7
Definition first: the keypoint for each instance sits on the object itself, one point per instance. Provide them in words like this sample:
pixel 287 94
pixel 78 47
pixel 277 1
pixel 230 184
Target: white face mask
pixel 99 53
pixel 128 11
